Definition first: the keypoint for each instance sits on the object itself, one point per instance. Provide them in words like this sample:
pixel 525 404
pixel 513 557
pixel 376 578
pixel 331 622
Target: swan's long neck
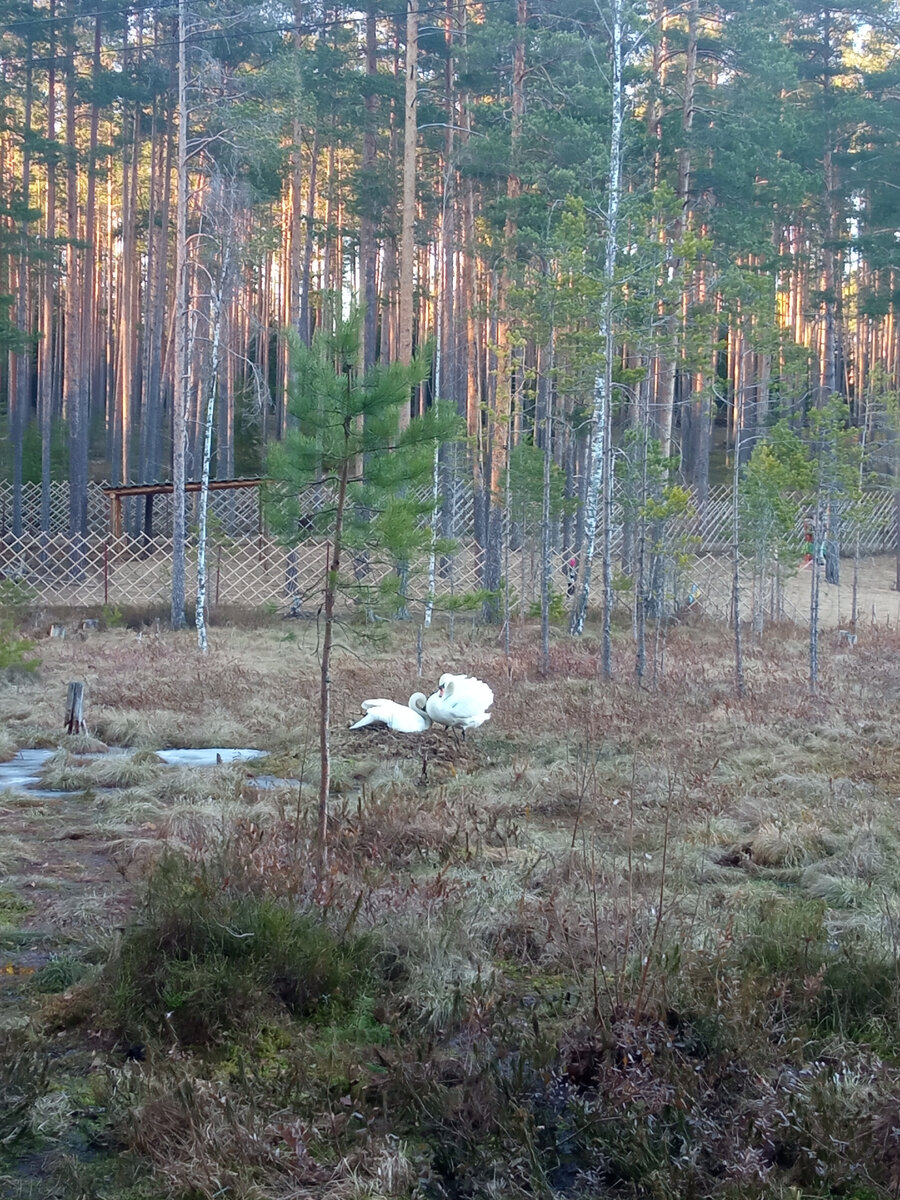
pixel 417 702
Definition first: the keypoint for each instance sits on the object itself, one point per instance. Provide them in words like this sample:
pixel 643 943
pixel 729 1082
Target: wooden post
pixel 75 708
pixel 116 516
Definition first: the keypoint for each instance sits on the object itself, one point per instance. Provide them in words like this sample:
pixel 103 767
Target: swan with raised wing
pixel 460 702
pixel 404 718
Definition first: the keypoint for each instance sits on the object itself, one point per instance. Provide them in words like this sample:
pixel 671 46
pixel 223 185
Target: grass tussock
pixel 207 957
pixel 67 772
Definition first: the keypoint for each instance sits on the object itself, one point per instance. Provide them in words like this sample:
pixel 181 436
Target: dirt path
pixel 878 600
pixel 62 886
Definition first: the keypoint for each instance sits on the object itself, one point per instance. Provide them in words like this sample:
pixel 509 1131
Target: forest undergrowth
pixel 624 941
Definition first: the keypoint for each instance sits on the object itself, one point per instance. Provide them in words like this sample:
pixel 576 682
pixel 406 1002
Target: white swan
pixel 411 719
pixel 460 702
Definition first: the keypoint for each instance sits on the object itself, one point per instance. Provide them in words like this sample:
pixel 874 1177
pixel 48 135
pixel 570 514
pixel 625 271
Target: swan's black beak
pixel 441 692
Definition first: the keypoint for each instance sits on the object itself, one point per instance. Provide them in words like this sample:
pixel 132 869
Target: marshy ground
pixel 622 941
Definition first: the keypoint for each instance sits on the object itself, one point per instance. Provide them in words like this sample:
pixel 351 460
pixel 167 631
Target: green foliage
pixel 651 504
pixel 526 486
pixel 207 957
pixel 789 453
pixel 642 472
pixel 557 608
pixel 13 340
pixel 16 652
pixel 769 506
pixel 58 974
pixel 348 471
pixel 12 907
pixel 468 601
pixel 675 501
pixel 834 449
pixel 786 473
pixel 31 453
pixel 16 598
pixel 111 617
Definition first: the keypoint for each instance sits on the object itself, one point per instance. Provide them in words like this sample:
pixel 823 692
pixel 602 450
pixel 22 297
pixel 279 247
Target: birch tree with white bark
pixel 598 500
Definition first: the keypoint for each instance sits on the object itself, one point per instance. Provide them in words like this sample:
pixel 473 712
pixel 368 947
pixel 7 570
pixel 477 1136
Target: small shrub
pixel 58 974
pixel 208 956
pixel 111 617
pixel 16 651
pixel 557 608
pixel 16 599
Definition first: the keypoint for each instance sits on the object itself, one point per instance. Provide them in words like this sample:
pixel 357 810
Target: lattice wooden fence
pixel 252 573
pixel 238 514
pixel 249 569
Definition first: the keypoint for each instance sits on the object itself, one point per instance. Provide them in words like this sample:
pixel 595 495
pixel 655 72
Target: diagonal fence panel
pixel 249 569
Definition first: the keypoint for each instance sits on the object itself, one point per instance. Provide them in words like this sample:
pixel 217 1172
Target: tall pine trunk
pixel 47 361
pixel 20 395
pixel 75 397
pixel 408 206
pixel 181 381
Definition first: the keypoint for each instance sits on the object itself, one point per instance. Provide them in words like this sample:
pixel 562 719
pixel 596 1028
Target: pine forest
pixel 679 220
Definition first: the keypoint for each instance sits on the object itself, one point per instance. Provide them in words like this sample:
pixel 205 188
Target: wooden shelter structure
pixel 117 493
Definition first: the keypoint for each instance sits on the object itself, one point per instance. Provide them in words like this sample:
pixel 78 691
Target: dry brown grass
pixel 570 857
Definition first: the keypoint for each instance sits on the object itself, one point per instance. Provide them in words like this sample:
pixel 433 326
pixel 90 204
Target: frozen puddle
pixel 264 782
pixel 22 772
pixel 206 758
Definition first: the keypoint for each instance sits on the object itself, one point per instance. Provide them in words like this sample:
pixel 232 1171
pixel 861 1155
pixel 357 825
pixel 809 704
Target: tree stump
pixel 75 708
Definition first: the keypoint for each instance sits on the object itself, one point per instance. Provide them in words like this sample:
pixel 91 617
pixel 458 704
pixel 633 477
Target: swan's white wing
pixel 469 698
pixel 449 677
pixel 406 720
pixel 368 719
pixel 476 720
pixel 481 693
pixel 395 716
pixel 378 712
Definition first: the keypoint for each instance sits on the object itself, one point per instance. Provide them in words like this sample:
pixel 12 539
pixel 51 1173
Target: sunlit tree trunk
pixel 20 394
pixel 154 374
pixel 181 365
pixel 47 360
pixel 306 324
pixel 408 206
pixel 75 396
pixel 367 248
pixel 599 490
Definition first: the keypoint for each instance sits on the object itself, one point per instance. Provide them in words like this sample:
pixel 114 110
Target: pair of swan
pixel 460 702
